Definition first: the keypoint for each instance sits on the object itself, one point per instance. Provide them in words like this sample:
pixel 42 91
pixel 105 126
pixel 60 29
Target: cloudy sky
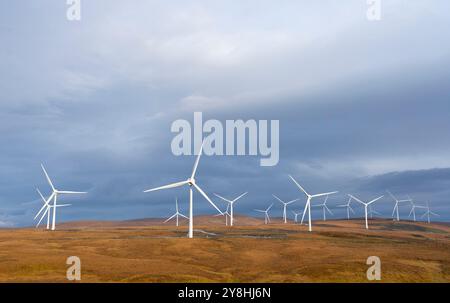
pixel 364 106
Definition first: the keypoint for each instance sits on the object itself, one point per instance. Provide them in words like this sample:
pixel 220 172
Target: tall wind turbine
pixel 285 204
pixel 266 214
pixel 177 214
pixel 54 196
pixel 349 208
pixel 324 208
pixel 308 202
pixel 231 203
pixel 397 203
pixel 191 182
pixel 366 204
pixel 428 213
pixel 47 211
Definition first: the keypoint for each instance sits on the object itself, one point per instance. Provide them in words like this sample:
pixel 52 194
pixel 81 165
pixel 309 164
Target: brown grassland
pixel 149 251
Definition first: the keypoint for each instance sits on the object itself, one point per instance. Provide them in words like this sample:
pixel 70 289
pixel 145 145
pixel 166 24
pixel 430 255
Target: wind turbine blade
pixel 194 170
pixel 48 178
pixel 374 200
pixel 390 194
pixel 324 194
pixel 353 197
pixel 298 185
pixel 220 197
pixel 376 213
pixel 424 214
pixel 42 217
pixel 410 213
pixel 269 207
pixel 71 192
pixel 278 199
pixel 181 215
pixel 259 210
pixel 292 201
pixel 395 208
pixel 351 209
pixel 170 218
pixel 63 205
pixel 329 211
pixel 207 198
pixel 240 197
pixel 45 205
pixel 434 214
pixel 173 185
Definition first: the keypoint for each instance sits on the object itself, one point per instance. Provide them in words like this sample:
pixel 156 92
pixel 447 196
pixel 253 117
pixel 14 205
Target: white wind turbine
pixel 308 202
pixel 285 204
pixel 296 214
pixel 372 212
pixel 428 213
pixel 349 208
pixel 365 206
pixel 324 208
pixel 47 211
pixel 177 214
pixel 397 204
pixel 226 214
pixel 191 183
pixel 54 196
pixel 413 210
pixel 266 214
pixel 231 203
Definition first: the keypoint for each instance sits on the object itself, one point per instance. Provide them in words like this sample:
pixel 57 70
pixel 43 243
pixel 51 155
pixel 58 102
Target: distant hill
pixel 203 220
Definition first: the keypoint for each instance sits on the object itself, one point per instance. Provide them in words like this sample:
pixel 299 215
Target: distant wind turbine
pixel 366 204
pixel 296 214
pixel 54 196
pixel 413 210
pixel 266 214
pixel 191 182
pixel 177 214
pixel 308 202
pixel 285 204
pixel 231 203
pixel 226 214
pixel 372 212
pixel 428 213
pixel 324 208
pixel 348 207
pixel 397 204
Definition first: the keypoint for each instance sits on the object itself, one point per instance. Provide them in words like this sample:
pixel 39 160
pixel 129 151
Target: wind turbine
pixel 47 211
pixel 231 203
pixel 285 204
pixel 428 213
pixel 266 214
pixel 308 202
pixel 349 208
pixel 413 210
pixel 226 214
pixel 371 212
pixel 397 202
pixel 191 182
pixel 54 196
pixel 324 207
pixel 296 214
pixel 177 213
pixel 365 206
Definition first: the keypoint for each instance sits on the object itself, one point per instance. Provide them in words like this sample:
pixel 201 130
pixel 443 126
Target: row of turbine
pixel 50 204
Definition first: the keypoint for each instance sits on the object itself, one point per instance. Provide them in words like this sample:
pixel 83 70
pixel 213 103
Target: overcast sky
pixel 363 106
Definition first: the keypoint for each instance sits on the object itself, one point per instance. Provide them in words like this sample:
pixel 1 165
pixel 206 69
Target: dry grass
pixel 336 251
